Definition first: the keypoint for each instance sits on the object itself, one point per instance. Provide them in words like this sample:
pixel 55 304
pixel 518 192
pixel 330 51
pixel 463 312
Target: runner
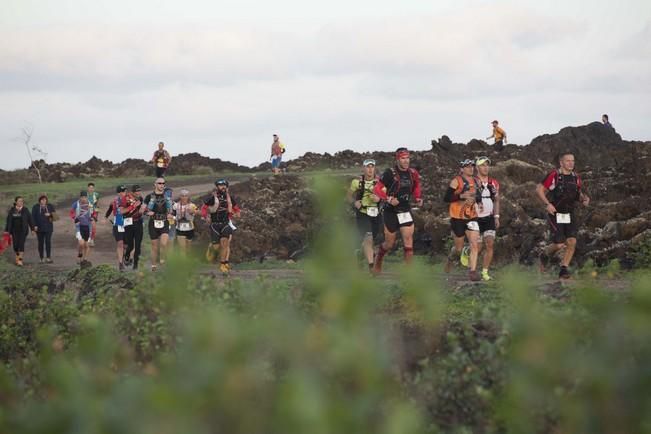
pixel 560 191
pixel 367 212
pixel 118 209
pixel 93 200
pixel 488 212
pixel 499 135
pixel 184 211
pixel 81 214
pixel 219 209
pixel 161 160
pixel 277 151
pixel 19 223
pixel 159 210
pixel 43 216
pixel 606 121
pixel 133 229
pixel 463 194
pixel 397 187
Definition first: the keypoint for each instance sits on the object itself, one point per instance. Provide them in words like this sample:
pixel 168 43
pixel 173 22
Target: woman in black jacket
pixel 19 223
pixel 43 216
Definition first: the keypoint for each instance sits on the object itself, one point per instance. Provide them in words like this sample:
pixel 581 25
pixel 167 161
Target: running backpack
pixel 560 187
pixel 359 195
pixel 396 180
pixel 466 186
pixel 489 185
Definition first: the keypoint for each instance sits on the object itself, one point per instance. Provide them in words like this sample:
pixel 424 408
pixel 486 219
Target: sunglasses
pixel 160 183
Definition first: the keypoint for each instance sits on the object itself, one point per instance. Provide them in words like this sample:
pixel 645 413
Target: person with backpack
pixel 184 211
pixel 133 227
pixel 398 187
pixel 218 210
pixel 93 200
pixel 277 151
pixel 560 191
pixel 120 207
pixel 161 160
pixel 81 214
pixel 159 209
pixel 43 216
pixel 488 212
pixel 499 135
pixel 365 204
pixel 19 223
pixel 463 195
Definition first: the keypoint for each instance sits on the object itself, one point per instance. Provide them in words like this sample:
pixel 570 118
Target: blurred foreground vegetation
pixel 96 351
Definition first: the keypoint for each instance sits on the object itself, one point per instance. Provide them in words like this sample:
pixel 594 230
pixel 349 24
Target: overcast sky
pixel 112 78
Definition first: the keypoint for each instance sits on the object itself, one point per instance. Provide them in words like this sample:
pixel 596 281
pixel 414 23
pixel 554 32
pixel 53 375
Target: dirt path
pixel 64 242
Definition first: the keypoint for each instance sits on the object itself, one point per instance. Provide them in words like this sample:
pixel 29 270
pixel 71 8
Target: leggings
pixel 44 240
pixel 133 240
pixel 18 240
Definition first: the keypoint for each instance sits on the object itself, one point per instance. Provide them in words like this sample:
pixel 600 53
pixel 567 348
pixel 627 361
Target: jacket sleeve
pixel 30 220
pixel 8 227
pixel 35 212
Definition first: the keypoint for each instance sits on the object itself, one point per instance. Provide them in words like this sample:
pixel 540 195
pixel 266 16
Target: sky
pixel 113 78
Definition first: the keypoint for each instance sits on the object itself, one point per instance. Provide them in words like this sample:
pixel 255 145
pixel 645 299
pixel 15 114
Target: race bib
pixel 78 235
pixel 185 226
pixel 473 226
pixel 404 217
pixel 159 224
pixel 120 229
pixel 563 218
pixel 372 211
pixel 128 221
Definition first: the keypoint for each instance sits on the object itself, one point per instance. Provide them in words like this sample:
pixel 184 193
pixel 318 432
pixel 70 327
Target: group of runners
pixel 382 203
pixel 385 203
pixel 129 213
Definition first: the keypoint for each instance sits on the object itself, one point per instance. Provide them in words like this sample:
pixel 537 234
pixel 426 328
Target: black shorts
pixel 487 226
pixel 155 233
pixel 189 235
pixel 119 236
pixel 160 172
pixel 367 225
pixel 460 226
pixel 562 231
pixel 499 145
pixel 219 231
pixel 391 220
pixel 84 231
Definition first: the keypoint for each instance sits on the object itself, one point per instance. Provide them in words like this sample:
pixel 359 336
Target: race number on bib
pixel 372 211
pixel 563 218
pixel 159 224
pixel 128 221
pixel 185 226
pixel 404 217
pixel 120 229
pixel 473 226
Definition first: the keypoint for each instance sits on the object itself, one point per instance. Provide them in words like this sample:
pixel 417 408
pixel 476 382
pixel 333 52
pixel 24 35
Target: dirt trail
pixel 64 242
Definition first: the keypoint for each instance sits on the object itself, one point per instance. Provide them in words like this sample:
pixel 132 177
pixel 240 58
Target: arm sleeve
pixel 30 220
pixel 35 210
pixel 450 195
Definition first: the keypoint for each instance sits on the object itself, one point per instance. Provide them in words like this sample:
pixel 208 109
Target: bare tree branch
pixel 27 133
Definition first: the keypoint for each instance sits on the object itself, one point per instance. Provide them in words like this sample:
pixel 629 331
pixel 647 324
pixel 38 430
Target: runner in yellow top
pixel 499 135
pixel 367 212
